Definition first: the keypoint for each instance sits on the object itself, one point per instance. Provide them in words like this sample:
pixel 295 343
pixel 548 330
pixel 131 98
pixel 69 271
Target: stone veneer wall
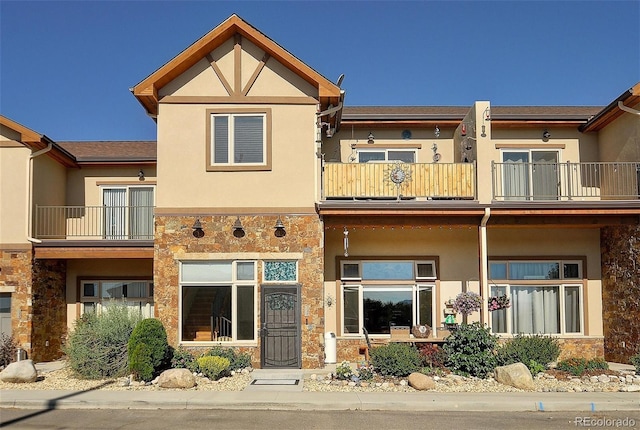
pixel 620 247
pixel 49 309
pixel 174 240
pixel 15 274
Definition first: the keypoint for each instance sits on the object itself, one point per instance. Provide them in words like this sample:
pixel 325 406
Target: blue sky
pixel 66 67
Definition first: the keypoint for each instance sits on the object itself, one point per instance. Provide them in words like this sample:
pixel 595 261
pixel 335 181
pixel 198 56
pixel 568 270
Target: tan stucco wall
pixel 620 140
pixel 290 183
pixel 14 180
pixel 84 186
pixel 49 181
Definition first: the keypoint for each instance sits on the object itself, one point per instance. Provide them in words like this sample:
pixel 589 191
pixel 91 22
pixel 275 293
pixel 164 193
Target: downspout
pixel 484 266
pixel 627 108
pixel 30 192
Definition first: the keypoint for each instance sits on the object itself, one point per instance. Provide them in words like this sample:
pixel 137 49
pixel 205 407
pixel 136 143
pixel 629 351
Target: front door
pixel 280 326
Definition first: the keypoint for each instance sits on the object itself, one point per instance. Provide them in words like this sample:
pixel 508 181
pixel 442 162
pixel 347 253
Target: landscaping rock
pixel 516 375
pixel 176 378
pixel 421 382
pixel 19 372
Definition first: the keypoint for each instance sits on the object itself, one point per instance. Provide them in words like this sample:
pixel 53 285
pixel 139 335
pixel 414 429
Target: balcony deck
pixel 421 180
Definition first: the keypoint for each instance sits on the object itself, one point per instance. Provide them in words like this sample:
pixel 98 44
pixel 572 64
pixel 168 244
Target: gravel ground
pixel 610 381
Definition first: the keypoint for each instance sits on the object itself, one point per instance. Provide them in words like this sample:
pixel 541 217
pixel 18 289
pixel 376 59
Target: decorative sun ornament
pixel 398 174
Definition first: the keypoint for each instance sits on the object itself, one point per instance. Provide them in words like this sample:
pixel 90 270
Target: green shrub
pixel 366 373
pixel 575 365
pixel 527 348
pixel 145 362
pixel 395 359
pixel 236 361
pixel 8 350
pixel 535 367
pixel 213 367
pixel 344 371
pixel 597 364
pixel 635 360
pixel 183 359
pixel 470 350
pixel 97 347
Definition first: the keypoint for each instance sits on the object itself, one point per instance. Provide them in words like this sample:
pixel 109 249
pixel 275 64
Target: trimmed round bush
pixel 213 367
pixel 236 361
pixel 471 350
pixel 395 359
pixel 148 349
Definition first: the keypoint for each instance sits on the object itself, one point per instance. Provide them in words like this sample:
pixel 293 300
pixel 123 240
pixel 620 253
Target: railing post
pixel 493 180
pixel 569 181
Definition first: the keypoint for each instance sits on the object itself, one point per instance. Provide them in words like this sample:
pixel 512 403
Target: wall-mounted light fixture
pixel 238 230
pixel 370 137
pixel 197 229
pixel 345 241
pixel 279 227
pixel 436 132
pixel 141 175
pixel 486 116
pixel 546 135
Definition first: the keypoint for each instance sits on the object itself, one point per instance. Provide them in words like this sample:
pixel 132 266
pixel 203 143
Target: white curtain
pixel 535 309
pixel 141 213
pixel 572 309
pixel 115 202
pixel 516 175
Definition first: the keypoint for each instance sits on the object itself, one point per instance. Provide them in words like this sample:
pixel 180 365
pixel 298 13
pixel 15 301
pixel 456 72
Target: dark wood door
pixel 280 326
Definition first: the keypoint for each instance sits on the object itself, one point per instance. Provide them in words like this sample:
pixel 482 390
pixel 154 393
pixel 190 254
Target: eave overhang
pixel 629 98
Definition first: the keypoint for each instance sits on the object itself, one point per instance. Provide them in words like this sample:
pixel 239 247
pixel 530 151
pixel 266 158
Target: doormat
pixel 275 382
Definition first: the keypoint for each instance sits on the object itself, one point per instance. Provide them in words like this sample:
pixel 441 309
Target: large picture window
pixel 545 296
pixel 377 295
pixel 218 301
pixel 97 295
pixel 239 140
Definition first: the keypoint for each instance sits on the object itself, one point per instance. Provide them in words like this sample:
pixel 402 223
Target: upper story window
pixel 239 140
pixel 382 155
pixel 128 212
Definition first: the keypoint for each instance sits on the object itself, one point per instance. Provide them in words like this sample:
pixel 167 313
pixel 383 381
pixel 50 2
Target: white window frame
pixel 386 151
pixel 561 283
pixel 234 283
pixel 146 304
pixel 127 207
pixel 415 286
pixel 231 117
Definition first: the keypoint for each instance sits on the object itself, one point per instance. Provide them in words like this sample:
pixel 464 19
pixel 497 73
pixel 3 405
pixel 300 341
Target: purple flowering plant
pixel 467 302
pixel 499 302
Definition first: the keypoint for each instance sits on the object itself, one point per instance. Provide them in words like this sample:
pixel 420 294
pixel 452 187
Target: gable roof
pixel 36 141
pixel 629 98
pixel 147 91
pixel 121 152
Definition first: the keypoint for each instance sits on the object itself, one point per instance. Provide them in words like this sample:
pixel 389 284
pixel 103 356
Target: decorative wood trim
pixel 130 182
pixel 10 144
pixel 293 100
pixel 387 145
pixel 76 253
pixel 219 74
pixel 531 145
pixel 256 72
pixel 224 211
pixel 237 64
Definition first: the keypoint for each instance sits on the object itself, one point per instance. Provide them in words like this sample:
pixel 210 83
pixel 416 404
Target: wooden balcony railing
pixel 94 222
pixel 566 181
pixel 422 180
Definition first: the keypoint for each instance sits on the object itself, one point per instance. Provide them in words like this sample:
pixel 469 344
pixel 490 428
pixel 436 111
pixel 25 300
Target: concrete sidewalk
pixel 285 400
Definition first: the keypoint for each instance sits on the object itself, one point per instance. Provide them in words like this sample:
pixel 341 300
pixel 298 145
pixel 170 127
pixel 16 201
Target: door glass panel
pixel 544 174
pixel 405 156
pixel 366 156
pixel 515 175
pixel 115 201
pixel 141 213
pixel 572 309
